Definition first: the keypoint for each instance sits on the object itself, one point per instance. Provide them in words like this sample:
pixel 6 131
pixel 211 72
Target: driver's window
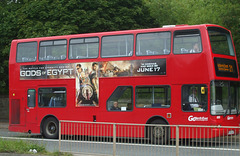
pixel 194 98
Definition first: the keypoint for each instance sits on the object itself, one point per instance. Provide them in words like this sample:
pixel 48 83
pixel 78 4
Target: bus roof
pixel 164 28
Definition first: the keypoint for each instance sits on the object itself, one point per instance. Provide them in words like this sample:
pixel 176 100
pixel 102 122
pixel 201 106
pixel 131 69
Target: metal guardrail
pixel 147 139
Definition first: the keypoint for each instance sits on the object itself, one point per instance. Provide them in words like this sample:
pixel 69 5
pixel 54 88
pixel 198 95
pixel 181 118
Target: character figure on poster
pixel 79 81
pixel 93 76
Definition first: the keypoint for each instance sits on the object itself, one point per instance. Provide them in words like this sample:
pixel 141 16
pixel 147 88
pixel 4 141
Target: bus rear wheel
pixel 159 134
pixel 51 128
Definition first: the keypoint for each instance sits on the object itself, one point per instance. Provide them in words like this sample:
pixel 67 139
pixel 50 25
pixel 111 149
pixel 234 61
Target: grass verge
pixel 23 147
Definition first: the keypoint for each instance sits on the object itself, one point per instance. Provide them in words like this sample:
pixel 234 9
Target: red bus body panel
pixel 181 69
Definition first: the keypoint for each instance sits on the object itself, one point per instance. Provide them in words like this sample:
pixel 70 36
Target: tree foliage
pixel 33 18
pixel 61 17
pixel 8 31
pixel 221 12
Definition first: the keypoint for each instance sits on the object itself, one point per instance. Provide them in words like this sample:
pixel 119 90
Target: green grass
pixel 23 147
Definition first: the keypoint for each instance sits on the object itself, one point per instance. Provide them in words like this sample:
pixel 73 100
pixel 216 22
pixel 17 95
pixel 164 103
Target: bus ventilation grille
pixel 15 111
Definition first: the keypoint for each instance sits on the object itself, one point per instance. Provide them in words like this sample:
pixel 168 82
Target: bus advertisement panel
pixel 87 74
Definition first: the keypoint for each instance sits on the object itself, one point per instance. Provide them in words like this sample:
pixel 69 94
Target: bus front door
pixel 31 113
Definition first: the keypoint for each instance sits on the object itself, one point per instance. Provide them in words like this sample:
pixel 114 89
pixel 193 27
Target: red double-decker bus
pixel 175 75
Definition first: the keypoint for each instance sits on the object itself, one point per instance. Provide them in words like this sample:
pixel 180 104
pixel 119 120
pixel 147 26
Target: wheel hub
pixel 158 132
pixel 51 128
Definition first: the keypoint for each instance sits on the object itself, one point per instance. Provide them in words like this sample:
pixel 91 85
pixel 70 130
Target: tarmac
pixel 4 124
pixel 14 154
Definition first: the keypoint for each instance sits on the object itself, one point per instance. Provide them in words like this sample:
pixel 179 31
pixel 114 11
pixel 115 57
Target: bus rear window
pixel 53 50
pixel 221 42
pixel 27 52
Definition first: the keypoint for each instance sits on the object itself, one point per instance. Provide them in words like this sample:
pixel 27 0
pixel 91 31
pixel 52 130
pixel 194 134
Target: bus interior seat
pixel 187 107
pixel 184 51
pixel 109 105
pixel 63 57
pixel 185 103
pixel 130 53
pixel 166 51
pixel 156 105
pixel 129 106
pixel 149 52
pixel 28 59
pixel 80 57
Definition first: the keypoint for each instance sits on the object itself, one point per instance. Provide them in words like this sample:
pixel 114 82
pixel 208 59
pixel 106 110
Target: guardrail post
pixel 177 140
pixel 59 137
pixel 114 139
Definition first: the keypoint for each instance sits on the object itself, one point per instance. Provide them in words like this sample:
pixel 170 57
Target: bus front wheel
pixel 50 128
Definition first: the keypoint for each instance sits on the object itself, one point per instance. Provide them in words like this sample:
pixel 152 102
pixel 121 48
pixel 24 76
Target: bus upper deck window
pixel 82 48
pixel 156 43
pixel 117 46
pixel 187 41
pixel 27 52
pixel 53 50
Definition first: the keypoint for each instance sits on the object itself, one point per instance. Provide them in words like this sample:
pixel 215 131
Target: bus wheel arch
pixel 50 127
pixel 157 134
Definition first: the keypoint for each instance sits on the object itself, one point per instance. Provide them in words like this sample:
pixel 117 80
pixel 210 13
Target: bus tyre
pixel 159 134
pixel 51 128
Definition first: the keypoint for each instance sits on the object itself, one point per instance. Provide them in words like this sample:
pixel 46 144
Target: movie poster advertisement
pixel 87 81
pixel 87 74
pixel 133 68
pixel 47 71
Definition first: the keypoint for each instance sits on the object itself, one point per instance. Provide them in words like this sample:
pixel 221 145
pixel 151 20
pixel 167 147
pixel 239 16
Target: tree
pixel 8 31
pixel 61 17
pixel 221 12
pixel 231 20
pixel 31 18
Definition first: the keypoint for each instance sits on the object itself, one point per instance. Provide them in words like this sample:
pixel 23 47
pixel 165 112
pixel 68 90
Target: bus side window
pixel 81 48
pixel 194 98
pixel 117 46
pixel 155 43
pixel 53 50
pixel 187 41
pixel 52 97
pixel 153 96
pixel 121 99
pixel 27 52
